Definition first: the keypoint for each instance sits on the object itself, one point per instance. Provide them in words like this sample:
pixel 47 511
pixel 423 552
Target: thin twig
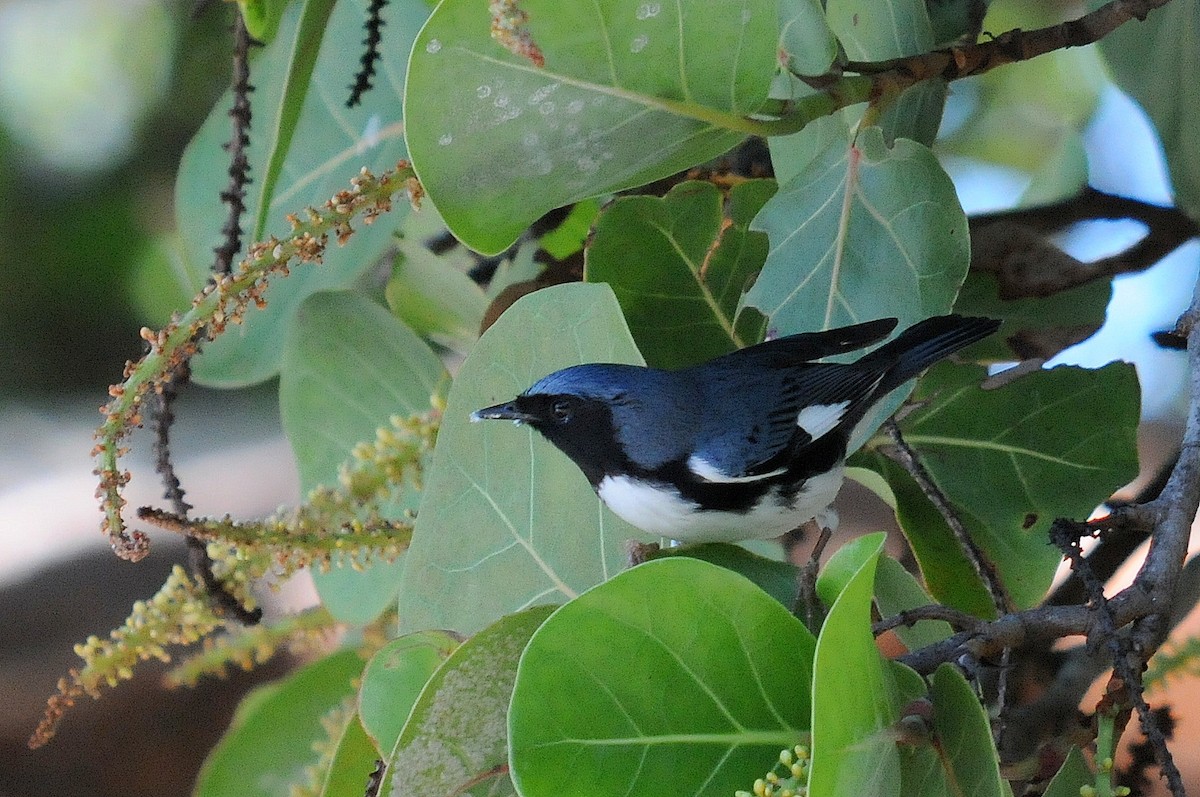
pixel 371 55
pixel 934 611
pixel 907 457
pixel 234 194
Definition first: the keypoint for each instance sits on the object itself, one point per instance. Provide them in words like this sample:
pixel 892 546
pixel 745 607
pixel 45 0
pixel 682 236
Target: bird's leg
pixel 638 552
pixel 808 605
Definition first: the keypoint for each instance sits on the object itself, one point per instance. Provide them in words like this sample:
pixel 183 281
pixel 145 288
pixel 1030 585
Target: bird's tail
pixel 924 343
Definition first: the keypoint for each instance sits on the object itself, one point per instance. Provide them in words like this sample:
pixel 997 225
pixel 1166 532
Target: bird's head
pixel 586 411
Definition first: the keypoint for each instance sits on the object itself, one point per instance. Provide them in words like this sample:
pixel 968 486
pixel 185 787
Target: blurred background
pixel 98 99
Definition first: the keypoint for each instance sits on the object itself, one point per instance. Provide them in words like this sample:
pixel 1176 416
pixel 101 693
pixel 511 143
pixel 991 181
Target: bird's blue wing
pixel 772 416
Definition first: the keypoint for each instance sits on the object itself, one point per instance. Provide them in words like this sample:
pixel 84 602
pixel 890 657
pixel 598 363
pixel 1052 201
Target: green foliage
pixel 612 95
pixel 704 262
pixel 349 367
pixel 273 733
pixel 305 144
pixel 675 675
pixel 1152 62
pixel 505 520
pixel 525 658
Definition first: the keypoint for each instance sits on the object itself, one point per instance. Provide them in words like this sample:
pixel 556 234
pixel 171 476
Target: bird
pixel 749 445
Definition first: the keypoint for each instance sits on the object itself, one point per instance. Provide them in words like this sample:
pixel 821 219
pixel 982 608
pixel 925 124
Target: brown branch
pixel 1020 629
pixel 1012 244
pixel 933 611
pixel 957 62
pixel 1127 661
pixel 234 194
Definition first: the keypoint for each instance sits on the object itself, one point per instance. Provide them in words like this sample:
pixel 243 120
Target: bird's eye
pixel 561 410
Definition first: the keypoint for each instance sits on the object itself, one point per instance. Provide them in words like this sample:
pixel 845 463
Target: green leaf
pixel 863 233
pixel 675 677
pixel 945 569
pixel 869 34
pixel 269 743
pixel 631 91
pixel 1071 777
pixel 962 729
pixel 393 680
pixel 314 20
pixel 897 590
pixel 777 579
pixel 262 17
pixel 456 735
pixel 678 270
pixel 506 520
pixel 353 760
pixel 321 149
pixel 349 366
pixel 805 38
pixel 1051 444
pixel 857 695
pixel 432 293
pixel 1156 61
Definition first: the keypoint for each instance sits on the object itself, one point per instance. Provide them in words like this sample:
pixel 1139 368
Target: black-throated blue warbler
pixel 749 445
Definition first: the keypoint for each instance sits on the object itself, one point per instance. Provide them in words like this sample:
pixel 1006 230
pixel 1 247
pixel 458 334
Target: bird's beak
pixel 502 412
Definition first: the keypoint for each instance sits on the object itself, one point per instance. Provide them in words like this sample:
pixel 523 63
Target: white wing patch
pixel 706 471
pixel 819 419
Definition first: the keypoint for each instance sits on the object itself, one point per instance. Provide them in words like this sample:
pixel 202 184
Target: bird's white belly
pixel 665 513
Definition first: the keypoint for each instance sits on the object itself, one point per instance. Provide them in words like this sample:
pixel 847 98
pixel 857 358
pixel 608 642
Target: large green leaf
pixel 679 267
pixel 305 145
pixel 506 520
pixel 349 367
pixel 857 694
pixel 269 743
pixel 1051 444
pixel 961 727
pixel 777 579
pixel 456 738
pixel 675 677
pixel 948 574
pixel 1157 61
pixel 630 91
pixel 864 232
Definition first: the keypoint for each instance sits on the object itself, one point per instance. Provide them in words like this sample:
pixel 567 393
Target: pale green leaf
pixel 326 146
pixel 864 232
pixel 506 520
pixel 393 681
pixel 349 367
pixel 630 91
pixel 455 741
pixel 675 677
